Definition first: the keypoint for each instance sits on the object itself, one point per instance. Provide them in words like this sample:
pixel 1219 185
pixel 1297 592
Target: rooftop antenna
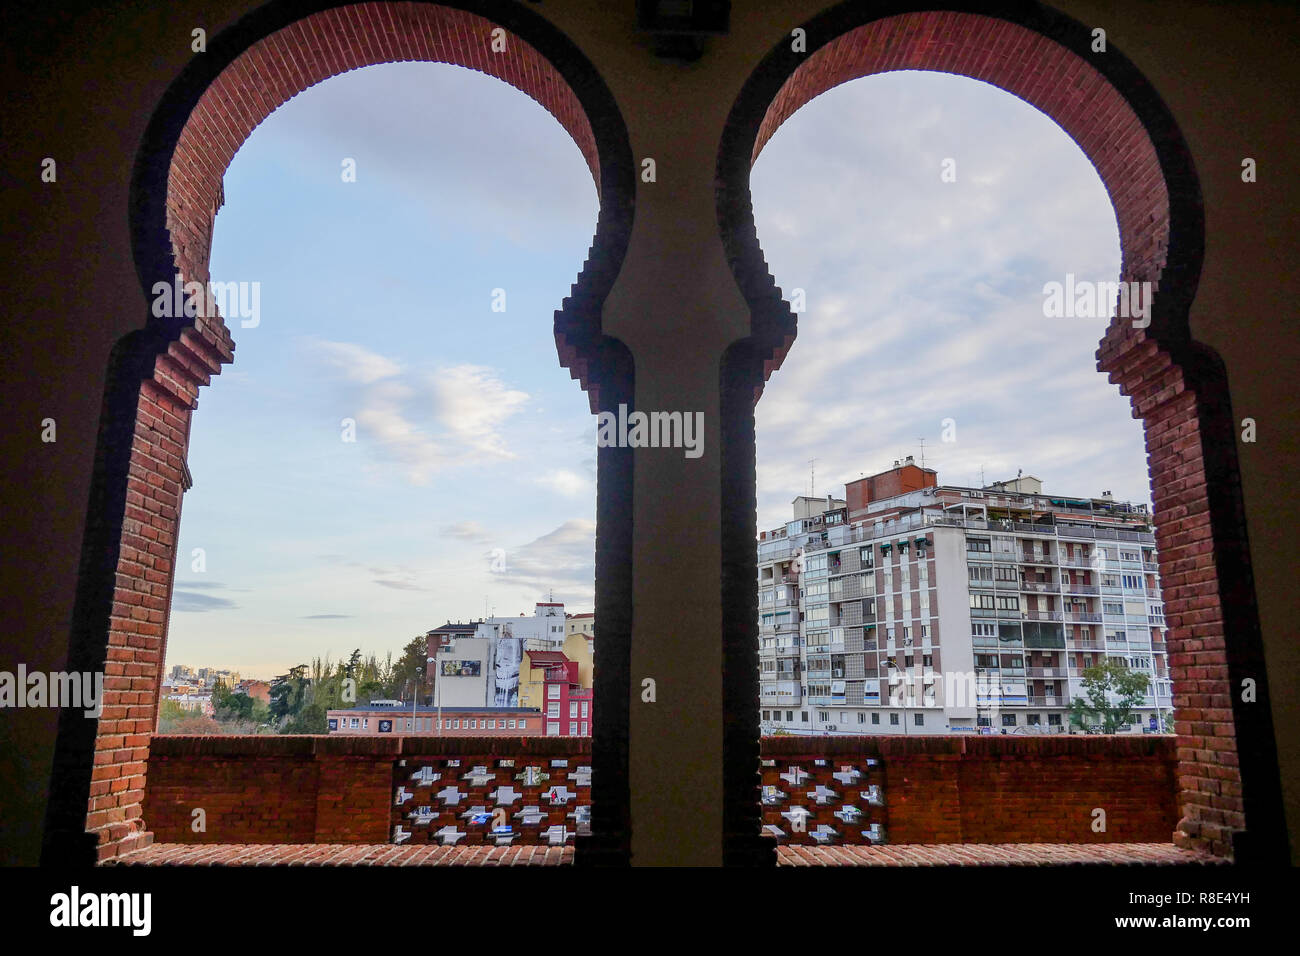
pixel 982 476
pixel 922 440
pixel 812 477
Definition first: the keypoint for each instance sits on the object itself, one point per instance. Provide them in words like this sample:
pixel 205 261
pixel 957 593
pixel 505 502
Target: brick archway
pixel 1230 791
pixel 128 562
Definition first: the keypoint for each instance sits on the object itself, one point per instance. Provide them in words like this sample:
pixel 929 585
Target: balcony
pixel 1047 702
pixel 1083 617
pixel 384 801
pixel 1080 588
pixel 1047 672
pixel 1040 615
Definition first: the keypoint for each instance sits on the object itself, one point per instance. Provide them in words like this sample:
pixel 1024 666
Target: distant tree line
pixel 301 697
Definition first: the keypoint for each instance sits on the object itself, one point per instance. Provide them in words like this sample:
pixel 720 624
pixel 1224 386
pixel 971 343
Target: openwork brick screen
pixel 500 801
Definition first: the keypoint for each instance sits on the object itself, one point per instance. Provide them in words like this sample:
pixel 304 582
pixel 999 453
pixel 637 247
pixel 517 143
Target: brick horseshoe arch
pixel 127 568
pixel 1230 789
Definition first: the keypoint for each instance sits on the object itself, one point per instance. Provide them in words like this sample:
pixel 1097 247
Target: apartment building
pixel 913 607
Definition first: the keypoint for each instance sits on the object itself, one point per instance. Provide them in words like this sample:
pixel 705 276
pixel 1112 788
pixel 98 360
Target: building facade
pixel 394 717
pixel 911 607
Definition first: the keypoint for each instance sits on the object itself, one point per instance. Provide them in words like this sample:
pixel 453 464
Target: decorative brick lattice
pixel 490 801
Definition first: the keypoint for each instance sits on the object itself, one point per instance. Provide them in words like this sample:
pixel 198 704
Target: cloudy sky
pixel 470 483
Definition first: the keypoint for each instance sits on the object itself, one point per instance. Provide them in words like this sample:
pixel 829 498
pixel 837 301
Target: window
pixel 573 709
pixel 862 717
pixel 822 716
pixel 492 724
pixel 1054 720
pixel 354 724
pixel 1008 720
pixel 982 545
pixel 1009 602
pixel 789 716
pixel 927 660
pixel 982 601
pixel 1034 720
pixel 552 728
pixel 553 692
pixel 875 718
pixel 585 705
pixel 365 722
pixel 584 728
pixel 804 714
pixel 918 720
pixel 893 720
pixel 553 709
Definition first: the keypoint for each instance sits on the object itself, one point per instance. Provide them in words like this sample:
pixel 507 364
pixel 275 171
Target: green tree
pixel 1108 681
pixel 289 693
pixel 411 671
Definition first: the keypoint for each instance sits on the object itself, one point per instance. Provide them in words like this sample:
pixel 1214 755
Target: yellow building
pixel 532 670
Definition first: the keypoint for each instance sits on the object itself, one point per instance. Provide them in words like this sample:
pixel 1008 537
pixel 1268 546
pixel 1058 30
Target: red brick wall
pixel 993 789
pixel 936 789
pixel 885 485
pixel 308 789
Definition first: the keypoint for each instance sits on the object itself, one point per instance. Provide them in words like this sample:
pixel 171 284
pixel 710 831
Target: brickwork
pixel 932 790
pixel 1175 386
pixel 308 789
pixel 973 789
pixel 195 135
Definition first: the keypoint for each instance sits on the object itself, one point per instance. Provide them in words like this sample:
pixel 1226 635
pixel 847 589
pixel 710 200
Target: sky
pixel 470 485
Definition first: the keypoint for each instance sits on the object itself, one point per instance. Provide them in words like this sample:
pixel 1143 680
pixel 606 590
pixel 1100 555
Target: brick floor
pixel 911 855
pixel 994 854
pixel 336 854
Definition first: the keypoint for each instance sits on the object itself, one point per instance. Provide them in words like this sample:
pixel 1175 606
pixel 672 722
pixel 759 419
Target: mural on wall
pixel 509 656
pixel 461 668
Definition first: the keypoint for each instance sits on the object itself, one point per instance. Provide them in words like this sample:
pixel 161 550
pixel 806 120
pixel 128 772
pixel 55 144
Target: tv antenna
pixel 812 477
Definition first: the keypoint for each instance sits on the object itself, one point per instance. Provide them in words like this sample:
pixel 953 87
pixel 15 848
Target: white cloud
pixel 565 482
pixel 428 422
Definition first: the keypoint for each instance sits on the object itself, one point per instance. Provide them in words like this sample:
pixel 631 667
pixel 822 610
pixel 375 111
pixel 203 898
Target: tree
pixel 411 672
pixel 289 693
pixel 1107 681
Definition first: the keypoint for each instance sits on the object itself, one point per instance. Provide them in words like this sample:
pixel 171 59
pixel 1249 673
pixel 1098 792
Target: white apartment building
pixel 909 607
pixel 482 670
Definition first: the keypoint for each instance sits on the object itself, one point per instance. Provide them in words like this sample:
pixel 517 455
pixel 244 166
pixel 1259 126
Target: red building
pixel 553 685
